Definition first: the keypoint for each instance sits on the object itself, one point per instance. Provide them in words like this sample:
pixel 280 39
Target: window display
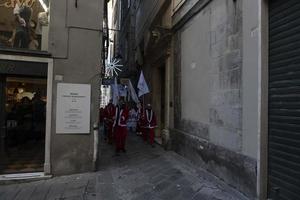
pixel 24 24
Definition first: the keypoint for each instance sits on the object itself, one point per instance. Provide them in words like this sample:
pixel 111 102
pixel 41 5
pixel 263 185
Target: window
pixel 24 24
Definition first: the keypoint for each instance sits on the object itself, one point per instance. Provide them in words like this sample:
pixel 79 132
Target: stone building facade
pixel 223 83
pixel 75 45
pixel 72 56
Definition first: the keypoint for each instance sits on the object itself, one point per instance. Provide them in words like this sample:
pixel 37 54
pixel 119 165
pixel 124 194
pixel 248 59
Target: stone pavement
pixel 143 173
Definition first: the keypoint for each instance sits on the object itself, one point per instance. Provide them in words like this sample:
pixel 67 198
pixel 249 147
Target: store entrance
pixel 23 121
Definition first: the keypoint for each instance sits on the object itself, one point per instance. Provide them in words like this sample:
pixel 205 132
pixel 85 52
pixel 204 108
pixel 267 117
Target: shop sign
pixel 11 3
pixel 73 108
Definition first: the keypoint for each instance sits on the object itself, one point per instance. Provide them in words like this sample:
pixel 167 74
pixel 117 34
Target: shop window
pixel 24 24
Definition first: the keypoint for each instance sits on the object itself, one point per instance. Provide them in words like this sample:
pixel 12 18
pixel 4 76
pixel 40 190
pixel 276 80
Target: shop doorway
pixel 23 121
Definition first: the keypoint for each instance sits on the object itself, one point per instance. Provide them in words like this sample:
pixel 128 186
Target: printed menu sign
pixel 73 108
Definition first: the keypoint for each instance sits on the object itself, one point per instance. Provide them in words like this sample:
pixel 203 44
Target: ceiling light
pixel 43 5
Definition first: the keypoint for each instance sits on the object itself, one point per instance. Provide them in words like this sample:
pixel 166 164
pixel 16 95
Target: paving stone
pixel 74 192
pixel 205 193
pixel 197 186
pixel 157 178
pixel 105 177
pixel 175 177
pixel 201 196
pixel 187 193
pixel 106 191
pixel 26 191
pixel 9 192
pixel 143 189
pixel 222 195
pixel 41 191
pixel 91 196
pixel 183 182
pixel 56 191
pixel 161 186
pixel 146 196
pixel 171 193
pixel 72 198
pixel 91 187
pixel 143 173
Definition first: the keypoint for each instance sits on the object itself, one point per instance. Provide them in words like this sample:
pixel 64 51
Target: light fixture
pixel 43 5
pixel 20 90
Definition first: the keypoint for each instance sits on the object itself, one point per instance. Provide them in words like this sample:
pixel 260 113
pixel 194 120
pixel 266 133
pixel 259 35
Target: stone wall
pixel 145 14
pixel 75 44
pixel 208 90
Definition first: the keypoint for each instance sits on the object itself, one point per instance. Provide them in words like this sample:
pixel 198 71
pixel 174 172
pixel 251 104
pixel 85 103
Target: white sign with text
pixel 73 108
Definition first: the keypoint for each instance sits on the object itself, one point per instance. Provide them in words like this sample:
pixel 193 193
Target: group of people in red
pixel 115 124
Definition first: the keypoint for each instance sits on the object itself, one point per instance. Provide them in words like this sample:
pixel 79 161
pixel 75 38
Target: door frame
pixel 49 62
pixel 262 180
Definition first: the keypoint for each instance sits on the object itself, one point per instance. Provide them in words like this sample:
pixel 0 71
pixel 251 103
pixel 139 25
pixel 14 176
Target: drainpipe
pixel 96 142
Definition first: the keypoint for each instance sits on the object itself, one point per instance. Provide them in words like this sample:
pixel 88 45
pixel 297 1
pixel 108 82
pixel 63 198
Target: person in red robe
pixel 109 114
pixel 101 122
pixel 120 127
pixel 149 124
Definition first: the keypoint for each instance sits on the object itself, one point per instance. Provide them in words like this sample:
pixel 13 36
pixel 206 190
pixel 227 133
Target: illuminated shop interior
pixel 24 24
pixel 23 142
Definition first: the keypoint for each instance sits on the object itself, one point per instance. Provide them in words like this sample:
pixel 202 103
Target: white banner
pixel 142 85
pixel 115 92
pixel 133 93
pixel 122 90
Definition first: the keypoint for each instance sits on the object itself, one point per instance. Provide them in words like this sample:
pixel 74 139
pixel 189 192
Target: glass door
pixel 24 120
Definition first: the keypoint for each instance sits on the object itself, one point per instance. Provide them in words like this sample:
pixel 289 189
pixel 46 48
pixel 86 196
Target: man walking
pixel 149 124
pixel 109 115
pixel 120 127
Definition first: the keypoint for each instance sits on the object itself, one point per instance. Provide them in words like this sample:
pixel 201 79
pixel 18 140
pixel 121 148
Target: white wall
pixel 250 77
pixel 75 42
pixel 195 68
pixel 211 69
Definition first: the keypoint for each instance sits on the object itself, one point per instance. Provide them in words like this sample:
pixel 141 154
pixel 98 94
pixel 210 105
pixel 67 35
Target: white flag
pixel 122 90
pixel 142 85
pixel 133 93
pixel 115 92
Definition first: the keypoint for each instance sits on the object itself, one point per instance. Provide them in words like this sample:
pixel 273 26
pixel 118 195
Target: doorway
pixel 23 120
pixel 158 98
pixel 162 96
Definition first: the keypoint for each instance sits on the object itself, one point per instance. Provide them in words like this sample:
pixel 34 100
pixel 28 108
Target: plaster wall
pixel 211 61
pixel 209 112
pixel 195 68
pixel 75 43
pixel 250 77
pixel 145 14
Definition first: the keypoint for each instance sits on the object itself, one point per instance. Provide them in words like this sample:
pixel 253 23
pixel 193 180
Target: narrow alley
pixel 216 83
pixel 142 173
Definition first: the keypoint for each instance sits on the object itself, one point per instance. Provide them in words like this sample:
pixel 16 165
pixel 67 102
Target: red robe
pixel 139 128
pixel 109 115
pixel 149 124
pixel 120 124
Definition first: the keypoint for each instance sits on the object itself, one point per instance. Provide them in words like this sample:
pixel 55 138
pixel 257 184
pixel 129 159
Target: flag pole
pixel 143 104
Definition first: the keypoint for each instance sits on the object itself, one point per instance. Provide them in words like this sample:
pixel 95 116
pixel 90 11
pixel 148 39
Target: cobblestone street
pixel 141 173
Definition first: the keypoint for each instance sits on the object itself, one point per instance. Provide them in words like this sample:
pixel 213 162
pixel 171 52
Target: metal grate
pixel 284 100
